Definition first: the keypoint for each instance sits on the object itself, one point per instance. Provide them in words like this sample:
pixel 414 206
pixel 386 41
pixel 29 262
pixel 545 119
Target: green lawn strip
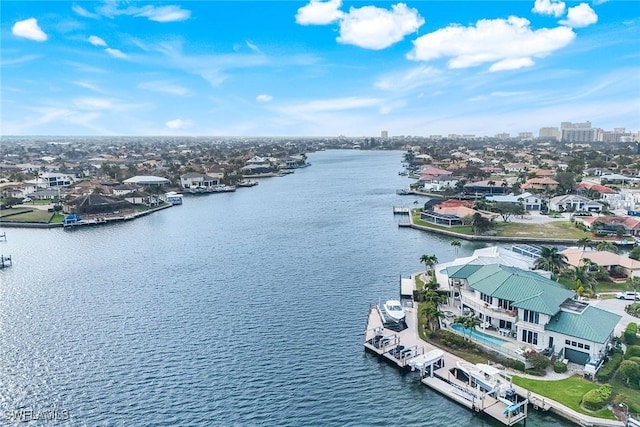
pixel 600 286
pixel 419 282
pixel 622 393
pixel 35 215
pixel 556 229
pixel 568 391
pixel 4 213
pixel 57 218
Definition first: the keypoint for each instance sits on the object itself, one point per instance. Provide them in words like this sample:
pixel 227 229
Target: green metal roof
pixel 526 289
pixel 593 324
pixel 462 271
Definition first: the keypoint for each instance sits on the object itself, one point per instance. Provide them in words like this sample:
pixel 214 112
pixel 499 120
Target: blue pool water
pixel 480 336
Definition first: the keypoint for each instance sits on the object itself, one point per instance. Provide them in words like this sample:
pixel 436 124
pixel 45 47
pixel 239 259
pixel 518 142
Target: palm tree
pixel 456 244
pixel 582 274
pixel 432 315
pixel 468 323
pixel 491 184
pixel 607 246
pixel 584 243
pixel 429 261
pixel 551 260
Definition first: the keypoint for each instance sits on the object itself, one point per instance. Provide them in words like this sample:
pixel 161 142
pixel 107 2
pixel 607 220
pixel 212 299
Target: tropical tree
pixel 607 246
pixel 584 243
pixel 491 184
pixel 583 275
pixel 456 244
pixel 432 315
pixel 468 323
pixel 551 260
pixel 429 262
pixel 635 253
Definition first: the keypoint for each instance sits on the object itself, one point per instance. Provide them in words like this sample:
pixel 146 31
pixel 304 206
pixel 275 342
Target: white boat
pixel 484 376
pixel 393 311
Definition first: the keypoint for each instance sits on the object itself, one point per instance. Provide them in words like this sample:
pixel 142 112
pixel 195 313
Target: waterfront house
pixel 141 198
pixel 609 225
pixel 533 311
pixel 540 184
pixel 51 179
pixel 481 188
pixel 123 189
pixel 574 203
pixel 198 180
pixel 147 181
pixel 529 201
pixel 576 257
pixel 95 204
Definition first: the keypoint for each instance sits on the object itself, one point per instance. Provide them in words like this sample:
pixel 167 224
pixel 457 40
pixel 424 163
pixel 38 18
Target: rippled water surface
pixel 244 308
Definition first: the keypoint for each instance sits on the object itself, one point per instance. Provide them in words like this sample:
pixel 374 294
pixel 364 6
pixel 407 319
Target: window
pixel 530 337
pixel 505 304
pixel 486 298
pixel 505 324
pixel 567 342
pixel 587 347
pixel 573 344
pixel 580 345
pixel 531 316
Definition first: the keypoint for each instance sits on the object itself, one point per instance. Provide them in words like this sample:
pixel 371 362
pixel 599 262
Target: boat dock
pixel 438 369
pixel 401 210
pixel 5 261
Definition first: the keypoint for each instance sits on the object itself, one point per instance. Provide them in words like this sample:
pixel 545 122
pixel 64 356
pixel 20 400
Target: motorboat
pixel 393 311
pixel 484 376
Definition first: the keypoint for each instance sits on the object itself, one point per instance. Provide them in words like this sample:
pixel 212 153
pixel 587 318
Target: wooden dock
pixel 439 374
pixel 401 210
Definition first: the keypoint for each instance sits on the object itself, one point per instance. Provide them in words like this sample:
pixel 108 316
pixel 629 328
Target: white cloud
pixel 165 87
pixel 549 7
pixel 580 16
pixel 79 10
pixel 178 124
pixel 116 53
pixel 410 79
pixel 319 12
pixel 89 86
pixel 93 103
pixel 20 60
pixel 158 14
pixel 163 13
pixel 506 44
pixel 371 27
pixel 96 41
pixel 29 29
pixel 264 98
pixel 337 104
pixel 252 46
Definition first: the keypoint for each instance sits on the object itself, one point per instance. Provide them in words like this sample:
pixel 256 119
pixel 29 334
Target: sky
pixel 318 68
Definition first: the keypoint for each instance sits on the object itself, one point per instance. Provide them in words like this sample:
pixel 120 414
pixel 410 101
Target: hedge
pixel 610 367
pixel 597 398
pixel 632 351
pixel 630 334
pixel 559 366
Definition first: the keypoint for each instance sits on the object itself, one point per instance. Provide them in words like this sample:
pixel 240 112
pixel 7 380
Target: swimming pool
pixel 479 336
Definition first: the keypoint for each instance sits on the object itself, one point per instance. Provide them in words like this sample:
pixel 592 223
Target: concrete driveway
pixel 617 306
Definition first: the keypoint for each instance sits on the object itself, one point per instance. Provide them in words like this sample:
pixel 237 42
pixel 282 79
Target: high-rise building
pixel 550 133
pixel 524 136
pixel 384 134
pixel 578 132
pixel 503 135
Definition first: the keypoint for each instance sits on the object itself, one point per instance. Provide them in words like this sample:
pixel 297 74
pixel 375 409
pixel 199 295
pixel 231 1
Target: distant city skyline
pixel 318 68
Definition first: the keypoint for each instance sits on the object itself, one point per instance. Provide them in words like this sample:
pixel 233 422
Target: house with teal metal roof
pixel 532 311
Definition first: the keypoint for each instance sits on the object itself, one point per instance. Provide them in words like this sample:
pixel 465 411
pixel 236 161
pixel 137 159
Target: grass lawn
pixel 556 229
pixel 569 392
pixel 22 215
pixel 13 211
pixel 629 396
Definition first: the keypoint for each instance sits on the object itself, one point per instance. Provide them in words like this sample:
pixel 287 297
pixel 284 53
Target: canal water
pixel 243 308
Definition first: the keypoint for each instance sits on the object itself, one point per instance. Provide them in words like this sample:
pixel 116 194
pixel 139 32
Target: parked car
pixel 628 295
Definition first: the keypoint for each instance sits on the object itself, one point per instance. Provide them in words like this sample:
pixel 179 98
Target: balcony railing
pixel 486 307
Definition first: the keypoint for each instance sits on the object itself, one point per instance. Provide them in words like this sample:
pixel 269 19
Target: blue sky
pixel 319 68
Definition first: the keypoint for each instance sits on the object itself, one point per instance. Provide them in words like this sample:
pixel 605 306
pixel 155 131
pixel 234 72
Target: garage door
pixel 576 356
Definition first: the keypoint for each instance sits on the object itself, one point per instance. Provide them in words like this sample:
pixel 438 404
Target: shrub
pixel 632 351
pixel 597 398
pixel 633 309
pixel 539 363
pixel 559 366
pixel 609 368
pixel 635 359
pixel 630 334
